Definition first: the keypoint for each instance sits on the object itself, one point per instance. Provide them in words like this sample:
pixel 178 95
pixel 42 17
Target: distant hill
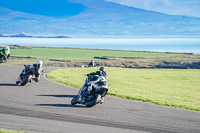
pixel 90 18
pixel 30 36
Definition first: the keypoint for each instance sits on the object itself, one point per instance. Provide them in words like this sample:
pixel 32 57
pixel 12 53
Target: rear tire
pixel 94 101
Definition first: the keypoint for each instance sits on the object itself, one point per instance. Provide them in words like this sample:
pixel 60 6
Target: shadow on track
pixel 62 105
pixel 8 84
pixel 58 95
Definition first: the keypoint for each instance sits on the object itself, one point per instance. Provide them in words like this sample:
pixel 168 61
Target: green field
pixel 81 54
pixel 169 87
pixel 75 57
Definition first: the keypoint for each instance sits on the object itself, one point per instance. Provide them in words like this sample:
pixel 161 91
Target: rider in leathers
pixel 5 52
pixel 99 82
pixel 91 64
pixel 37 67
pixel 102 81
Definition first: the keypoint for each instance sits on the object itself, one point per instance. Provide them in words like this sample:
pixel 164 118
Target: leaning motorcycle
pixel 2 58
pixel 27 75
pixel 87 94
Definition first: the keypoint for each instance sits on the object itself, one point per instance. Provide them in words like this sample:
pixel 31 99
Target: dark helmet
pixel 102 69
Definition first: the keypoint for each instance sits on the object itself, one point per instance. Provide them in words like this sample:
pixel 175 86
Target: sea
pixel 180 45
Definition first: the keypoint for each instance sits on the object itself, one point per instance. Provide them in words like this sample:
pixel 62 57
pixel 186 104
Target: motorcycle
pixel 88 95
pixel 27 75
pixel 2 58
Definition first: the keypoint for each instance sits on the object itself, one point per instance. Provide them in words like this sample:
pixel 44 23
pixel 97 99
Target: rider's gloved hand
pixel 88 84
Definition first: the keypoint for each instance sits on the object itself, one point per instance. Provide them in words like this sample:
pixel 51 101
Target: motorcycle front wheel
pixel 1 60
pixel 74 100
pixel 26 80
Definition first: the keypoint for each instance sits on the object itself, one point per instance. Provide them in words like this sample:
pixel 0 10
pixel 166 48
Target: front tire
pixel 94 101
pixel 1 60
pixel 74 100
pixel 26 80
pixel 17 82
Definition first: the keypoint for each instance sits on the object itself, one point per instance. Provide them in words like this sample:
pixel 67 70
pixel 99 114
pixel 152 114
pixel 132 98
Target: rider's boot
pixel 36 79
pixel 101 100
pixel 82 99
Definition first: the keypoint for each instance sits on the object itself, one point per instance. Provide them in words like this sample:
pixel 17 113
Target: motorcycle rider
pixel 36 67
pixel 5 52
pixel 98 83
pixel 91 64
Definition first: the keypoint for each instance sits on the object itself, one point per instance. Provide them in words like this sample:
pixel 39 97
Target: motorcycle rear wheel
pixel 94 101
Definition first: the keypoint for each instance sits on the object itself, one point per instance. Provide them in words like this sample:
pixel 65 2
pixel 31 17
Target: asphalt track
pixel 45 107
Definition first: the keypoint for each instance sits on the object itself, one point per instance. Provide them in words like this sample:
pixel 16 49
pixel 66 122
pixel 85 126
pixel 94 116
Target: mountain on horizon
pixel 90 18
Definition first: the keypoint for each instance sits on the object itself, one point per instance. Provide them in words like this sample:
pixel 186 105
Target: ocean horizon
pixel 180 45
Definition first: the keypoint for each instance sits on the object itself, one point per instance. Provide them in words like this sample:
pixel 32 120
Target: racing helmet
pixel 7 50
pixel 101 69
pixel 39 63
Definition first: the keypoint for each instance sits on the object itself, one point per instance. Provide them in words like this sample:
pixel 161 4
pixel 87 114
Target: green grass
pixel 178 88
pixel 81 54
pixel 9 131
pixel 115 58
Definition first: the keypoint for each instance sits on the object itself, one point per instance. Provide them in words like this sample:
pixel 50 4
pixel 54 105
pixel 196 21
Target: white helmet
pixel 7 49
pixel 39 63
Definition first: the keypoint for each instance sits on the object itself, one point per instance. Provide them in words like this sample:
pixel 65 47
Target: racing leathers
pixel 5 54
pixel 91 64
pixel 101 81
pixel 97 84
pixel 36 68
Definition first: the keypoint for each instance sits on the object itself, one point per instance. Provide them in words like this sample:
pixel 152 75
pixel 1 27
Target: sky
pixel 172 7
pixel 44 7
pixel 57 8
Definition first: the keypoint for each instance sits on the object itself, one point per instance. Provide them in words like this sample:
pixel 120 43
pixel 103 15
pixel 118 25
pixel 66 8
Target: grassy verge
pixel 82 54
pixel 169 87
pixel 113 58
pixel 9 131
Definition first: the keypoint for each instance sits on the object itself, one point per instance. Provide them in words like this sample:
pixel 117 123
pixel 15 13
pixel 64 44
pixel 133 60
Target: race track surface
pixel 45 107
